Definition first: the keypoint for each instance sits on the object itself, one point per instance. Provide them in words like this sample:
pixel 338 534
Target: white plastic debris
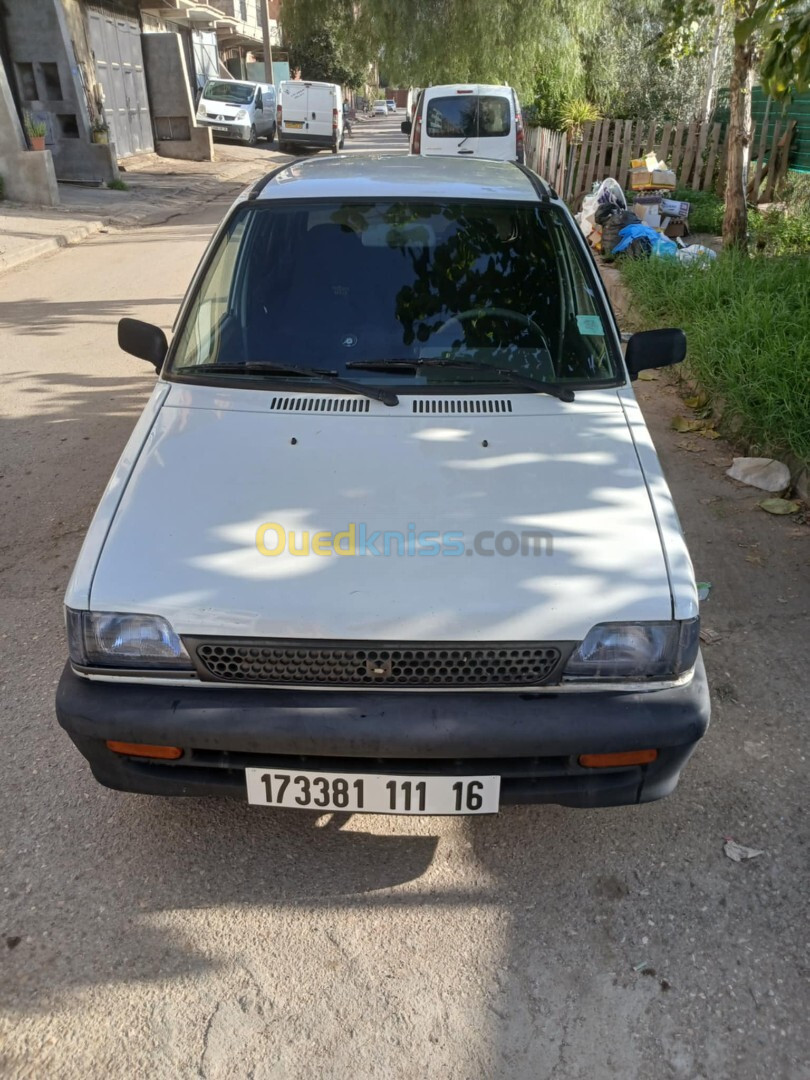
pixel 739 852
pixel 760 472
pixel 696 253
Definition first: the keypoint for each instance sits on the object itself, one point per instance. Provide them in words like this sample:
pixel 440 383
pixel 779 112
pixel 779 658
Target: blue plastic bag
pixel 660 244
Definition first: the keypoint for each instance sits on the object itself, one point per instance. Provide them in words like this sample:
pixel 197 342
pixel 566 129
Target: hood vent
pixel 462 405
pixel 320 404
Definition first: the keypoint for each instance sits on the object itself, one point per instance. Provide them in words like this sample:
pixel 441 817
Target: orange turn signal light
pixel 626 757
pixel 136 749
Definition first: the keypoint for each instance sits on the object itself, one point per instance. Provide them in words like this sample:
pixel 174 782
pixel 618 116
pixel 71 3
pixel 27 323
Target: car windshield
pixel 233 93
pixel 439 291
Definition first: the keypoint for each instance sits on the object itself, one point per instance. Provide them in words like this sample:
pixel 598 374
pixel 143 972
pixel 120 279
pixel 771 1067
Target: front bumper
pixel 224 130
pixel 532 741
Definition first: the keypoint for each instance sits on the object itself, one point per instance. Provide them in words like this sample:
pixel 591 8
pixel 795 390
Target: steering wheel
pixel 501 313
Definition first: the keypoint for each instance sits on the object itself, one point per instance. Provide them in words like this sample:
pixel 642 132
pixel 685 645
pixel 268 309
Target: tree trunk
pixel 710 91
pixel 735 221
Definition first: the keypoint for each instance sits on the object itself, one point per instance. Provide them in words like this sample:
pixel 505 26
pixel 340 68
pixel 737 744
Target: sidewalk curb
pixel 175 204
pixel 52 243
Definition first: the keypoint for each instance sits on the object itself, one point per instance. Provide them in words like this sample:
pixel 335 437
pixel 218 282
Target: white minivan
pixel 238 110
pixel 310 114
pixel 467 120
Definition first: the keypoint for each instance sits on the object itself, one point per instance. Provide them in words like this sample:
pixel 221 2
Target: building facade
pixel 110 79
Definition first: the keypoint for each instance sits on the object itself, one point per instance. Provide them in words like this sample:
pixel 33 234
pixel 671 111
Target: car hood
pixel 218 464
pixel 222 108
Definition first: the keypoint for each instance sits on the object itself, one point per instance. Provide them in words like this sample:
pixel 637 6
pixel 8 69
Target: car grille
pixel 396 665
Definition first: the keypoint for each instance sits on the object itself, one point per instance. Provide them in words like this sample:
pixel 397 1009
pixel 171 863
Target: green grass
pixel 747 321
pixel 780 232
pixel 706 211
pixel 117 185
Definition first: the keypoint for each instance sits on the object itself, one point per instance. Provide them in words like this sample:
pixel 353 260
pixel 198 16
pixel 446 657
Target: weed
pixel 747 321
pixel 117 185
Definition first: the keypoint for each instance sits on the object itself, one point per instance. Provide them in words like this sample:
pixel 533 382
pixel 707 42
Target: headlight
pixel 650 650
pixel 241 115
pixel 201 109
pixel 109 639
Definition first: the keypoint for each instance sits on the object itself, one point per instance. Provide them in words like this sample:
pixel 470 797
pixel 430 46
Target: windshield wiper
pixel 514 377
pixel 387 397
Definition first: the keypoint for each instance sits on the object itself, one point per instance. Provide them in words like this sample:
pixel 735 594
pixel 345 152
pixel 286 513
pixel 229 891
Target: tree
pixel 624 75
pixel 324 42
pixel 321 57
pixel 437 41
pixel 778 31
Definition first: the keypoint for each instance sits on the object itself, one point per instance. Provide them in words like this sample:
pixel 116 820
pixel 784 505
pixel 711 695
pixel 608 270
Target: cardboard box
pixel 674 208
pixel 648 210
pixel 673 229
pixel 663 178
pixel 643 179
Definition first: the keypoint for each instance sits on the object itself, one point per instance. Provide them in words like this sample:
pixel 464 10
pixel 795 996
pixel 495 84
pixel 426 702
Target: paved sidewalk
pixel 158 189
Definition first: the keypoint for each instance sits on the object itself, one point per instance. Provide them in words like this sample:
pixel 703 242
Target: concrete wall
pixel 177 134
pixel 28 175
pixel 45 40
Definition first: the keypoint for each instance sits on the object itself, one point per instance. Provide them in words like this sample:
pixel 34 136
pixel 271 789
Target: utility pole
pixel 268 49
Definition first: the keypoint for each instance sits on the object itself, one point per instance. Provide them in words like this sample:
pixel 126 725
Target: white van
pixel 310 114
pixel 238 110
pixel 468 120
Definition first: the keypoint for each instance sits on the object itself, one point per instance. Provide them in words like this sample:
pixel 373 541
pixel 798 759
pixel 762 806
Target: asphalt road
pixel 190 938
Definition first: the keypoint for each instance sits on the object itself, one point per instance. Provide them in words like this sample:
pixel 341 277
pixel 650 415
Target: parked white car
pixel 238 110
pixel 391 534
pixel 467 120
pixel 310 114
pixel 391 105
pixel 380 108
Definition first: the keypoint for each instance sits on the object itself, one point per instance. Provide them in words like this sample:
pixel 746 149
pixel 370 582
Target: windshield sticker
pixel 590 326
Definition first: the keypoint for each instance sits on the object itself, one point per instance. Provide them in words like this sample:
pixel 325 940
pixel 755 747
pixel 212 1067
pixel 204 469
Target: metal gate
pixel 116 43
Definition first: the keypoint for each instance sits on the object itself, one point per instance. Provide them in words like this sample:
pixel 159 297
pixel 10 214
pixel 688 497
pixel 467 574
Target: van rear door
pixel 497 137
pixel 294 105
pixel 450 123
pixel 320 103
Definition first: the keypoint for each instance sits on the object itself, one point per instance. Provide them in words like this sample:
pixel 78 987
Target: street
pixel 192 938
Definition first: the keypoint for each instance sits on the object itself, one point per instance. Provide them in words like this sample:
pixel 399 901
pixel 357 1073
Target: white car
pixel 391 105
pixel 380 108
pixel 391 534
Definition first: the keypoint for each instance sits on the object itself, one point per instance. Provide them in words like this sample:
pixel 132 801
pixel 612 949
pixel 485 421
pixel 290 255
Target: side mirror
pixel 654 349
pixel 143 340
pixel 405 127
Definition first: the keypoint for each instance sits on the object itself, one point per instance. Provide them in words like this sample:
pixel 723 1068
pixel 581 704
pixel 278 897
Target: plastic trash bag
pixel 660 245
pixel 696 253
pixel 606 197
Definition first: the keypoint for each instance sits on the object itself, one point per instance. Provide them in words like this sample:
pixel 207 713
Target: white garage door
pixel 116 44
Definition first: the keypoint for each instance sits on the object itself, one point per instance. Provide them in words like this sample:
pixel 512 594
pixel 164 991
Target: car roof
pixel 401 176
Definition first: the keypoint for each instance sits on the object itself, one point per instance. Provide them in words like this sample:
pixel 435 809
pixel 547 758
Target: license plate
pixel 373 793
pixel 221 130
pixel 294 123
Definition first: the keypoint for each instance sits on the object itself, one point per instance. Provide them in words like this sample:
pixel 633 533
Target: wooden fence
pixel 695 152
